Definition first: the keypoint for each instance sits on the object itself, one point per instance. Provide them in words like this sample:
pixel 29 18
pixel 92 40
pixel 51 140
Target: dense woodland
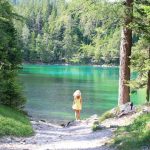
pixel 75 32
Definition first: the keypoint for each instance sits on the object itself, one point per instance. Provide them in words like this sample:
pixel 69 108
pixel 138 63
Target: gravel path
pixel 77 135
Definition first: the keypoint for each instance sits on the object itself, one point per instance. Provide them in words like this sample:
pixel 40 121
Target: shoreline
pixel 66 64
pixel 50 136
pixel 52 121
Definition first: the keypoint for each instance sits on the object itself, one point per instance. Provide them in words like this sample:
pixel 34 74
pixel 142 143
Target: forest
pixel 69 32
pixel 87 32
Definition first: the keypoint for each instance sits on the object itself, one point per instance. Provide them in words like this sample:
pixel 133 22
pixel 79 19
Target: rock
pixel 98 127
pixel 94 117
pixel 24 140
pixel 114 126
pixel 145 148
pixel 127 108
pixel 43 120
pixel 12 138
pixel 6 140
pixel 17 139
pixel 102 127
pixel 70 123
pixel 62 125
pixel 146 109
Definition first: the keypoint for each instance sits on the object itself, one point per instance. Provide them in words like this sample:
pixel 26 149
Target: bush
pixel 10 91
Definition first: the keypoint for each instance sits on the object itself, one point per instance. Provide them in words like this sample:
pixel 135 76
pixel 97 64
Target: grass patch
pixel 96 126
pixel 13 122
pixel 108 114
pixel 134 136
pixel 105 116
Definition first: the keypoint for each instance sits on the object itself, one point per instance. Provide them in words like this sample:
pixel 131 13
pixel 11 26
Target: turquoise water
pixel 49 90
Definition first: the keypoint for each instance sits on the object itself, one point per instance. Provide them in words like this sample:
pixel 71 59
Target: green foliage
pixel 10 92
pixel 140 63
pixel 96 127
pixel 134 136
pixel 106 115
pixel 10 58
pixel 69 32
pixel 140 59
pixel 142 18
pixel 14 123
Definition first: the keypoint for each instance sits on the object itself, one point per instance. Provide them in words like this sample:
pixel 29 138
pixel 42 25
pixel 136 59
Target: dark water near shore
pixel 49 90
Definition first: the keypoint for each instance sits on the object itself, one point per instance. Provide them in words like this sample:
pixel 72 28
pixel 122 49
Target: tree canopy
pixel 70 32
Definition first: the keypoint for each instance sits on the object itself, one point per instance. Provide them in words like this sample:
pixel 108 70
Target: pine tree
pixel 10 58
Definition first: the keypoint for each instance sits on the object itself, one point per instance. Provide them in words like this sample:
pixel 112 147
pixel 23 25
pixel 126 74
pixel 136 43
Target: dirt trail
pixel 78 135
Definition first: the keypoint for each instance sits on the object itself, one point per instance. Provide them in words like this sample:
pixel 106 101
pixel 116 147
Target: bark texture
pixel 125 53
pixel 148 84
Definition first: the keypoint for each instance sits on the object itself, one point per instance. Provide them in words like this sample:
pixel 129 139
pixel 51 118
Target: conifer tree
pixel 10 58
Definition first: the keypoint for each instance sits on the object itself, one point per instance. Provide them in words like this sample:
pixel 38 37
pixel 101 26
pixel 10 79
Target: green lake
pixel 49 90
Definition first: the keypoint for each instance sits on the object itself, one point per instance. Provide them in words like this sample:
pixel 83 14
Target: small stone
pixel 62 125
pixel 146 109
pixel 43 120
pixel 12 138
pixel 114 126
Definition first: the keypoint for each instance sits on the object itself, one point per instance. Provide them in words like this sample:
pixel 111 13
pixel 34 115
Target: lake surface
pixel 49 90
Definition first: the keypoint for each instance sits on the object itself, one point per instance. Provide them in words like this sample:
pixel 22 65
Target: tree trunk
pixel 125 53
pixel 148 83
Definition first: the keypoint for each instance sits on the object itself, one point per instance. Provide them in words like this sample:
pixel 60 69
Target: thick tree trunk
pixel 125 53
pixel 148 84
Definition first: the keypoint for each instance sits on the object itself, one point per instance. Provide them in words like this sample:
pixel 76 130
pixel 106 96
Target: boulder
pixel 127 109
pixel 146 109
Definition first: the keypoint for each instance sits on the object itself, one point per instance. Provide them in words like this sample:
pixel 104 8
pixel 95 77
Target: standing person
pixel 77 104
